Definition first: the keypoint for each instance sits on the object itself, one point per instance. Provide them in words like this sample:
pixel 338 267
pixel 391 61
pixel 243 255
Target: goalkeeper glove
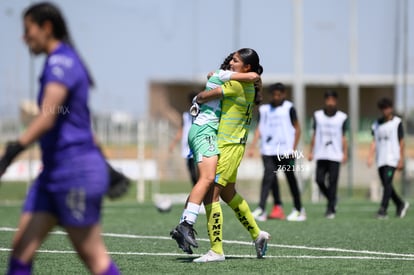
pixel 13 148
pixel 195 108
pixel 118 183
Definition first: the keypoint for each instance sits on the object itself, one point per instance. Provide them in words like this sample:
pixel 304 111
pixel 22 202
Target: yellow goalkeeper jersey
pixel 236 112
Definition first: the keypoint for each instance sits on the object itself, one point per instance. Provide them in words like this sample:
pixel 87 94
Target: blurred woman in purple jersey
pixel 70 189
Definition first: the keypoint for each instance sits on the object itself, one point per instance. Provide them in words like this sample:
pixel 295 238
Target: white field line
pixel 230 256
pixel 299 247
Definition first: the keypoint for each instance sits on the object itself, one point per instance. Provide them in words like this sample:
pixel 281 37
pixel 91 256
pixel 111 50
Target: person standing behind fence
pixel 182 135
pixel 388 145
pixel 279 131
pixel 329 148
pixel 70 189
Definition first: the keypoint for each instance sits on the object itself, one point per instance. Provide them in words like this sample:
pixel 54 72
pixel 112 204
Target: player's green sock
pixel 214 216
pixel 243 213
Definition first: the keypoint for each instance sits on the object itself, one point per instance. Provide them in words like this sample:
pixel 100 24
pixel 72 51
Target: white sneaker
pixel 261 244
pixel 211 256
pixel 402 210
pixel 262 218
pixel 297 216
pixel 259 214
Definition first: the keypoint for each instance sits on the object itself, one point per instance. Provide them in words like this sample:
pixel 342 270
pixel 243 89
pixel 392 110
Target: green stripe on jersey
pixel 237 108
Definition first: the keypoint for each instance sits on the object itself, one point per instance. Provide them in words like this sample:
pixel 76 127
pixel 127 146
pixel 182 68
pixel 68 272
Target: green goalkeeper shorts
pixel 203 141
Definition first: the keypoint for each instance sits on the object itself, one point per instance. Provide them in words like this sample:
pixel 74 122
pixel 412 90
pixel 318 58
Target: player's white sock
pixel 190 213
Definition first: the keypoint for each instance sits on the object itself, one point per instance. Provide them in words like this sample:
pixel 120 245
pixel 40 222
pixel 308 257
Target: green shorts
pixel 203 141
pixel 228 163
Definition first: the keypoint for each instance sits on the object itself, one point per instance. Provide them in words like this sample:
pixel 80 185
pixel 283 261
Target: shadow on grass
pixel 185 259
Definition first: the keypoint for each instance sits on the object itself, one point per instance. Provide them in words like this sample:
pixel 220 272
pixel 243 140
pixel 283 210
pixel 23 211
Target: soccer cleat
pixel 402 209
pixel 181 241
pixel 211 256
pixel 187 231
pixel 277 213
pixel 296 216
pixel 261 244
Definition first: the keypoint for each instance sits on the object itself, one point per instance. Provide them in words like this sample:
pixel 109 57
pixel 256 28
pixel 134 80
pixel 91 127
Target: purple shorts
pixel 72 190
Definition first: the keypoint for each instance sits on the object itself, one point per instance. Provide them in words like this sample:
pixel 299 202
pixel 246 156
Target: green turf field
pixel 138 238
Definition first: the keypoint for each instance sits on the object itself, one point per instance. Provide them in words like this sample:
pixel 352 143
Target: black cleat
pixel 187 231
pixel 185 246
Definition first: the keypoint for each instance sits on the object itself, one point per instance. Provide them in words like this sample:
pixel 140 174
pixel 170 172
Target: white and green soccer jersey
pixel 210 112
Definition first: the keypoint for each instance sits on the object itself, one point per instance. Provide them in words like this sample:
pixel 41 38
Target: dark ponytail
pixel 45 11
pixel 258 97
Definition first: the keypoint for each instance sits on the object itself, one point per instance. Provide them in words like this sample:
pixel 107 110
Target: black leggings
pixel 330 169
pixel 192 169
pixel 386 174
pixel 273 165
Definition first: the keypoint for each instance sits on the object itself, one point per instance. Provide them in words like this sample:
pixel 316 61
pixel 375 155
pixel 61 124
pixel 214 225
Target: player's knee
pixel 207 180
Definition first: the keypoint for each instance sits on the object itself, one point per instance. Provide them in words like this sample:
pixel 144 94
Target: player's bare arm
pixel 206 96
pixel 344 149
pixel 400 164
pixel 312 144
pixel 371 153
pixel 297 134
pixel 54 97
pixel 256 138
pixel 245 77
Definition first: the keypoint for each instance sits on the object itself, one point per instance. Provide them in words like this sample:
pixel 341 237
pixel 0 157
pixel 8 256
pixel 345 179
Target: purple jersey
pixel 72 134
pixel 75 176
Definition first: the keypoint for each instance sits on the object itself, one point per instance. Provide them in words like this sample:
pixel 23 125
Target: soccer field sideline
pixel 380 255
